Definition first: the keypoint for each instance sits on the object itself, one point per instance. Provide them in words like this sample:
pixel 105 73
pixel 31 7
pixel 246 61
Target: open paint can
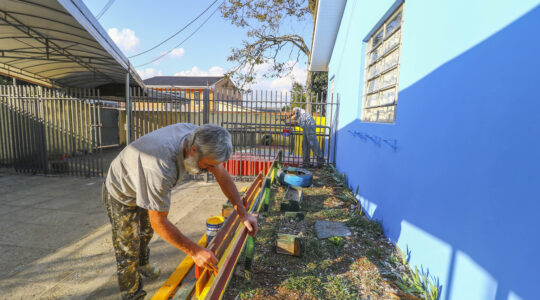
pixel 213 224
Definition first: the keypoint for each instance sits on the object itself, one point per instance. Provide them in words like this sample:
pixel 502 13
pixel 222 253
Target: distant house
pixel 192 87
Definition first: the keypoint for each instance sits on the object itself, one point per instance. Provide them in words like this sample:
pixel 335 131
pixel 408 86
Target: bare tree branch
pixel 267 36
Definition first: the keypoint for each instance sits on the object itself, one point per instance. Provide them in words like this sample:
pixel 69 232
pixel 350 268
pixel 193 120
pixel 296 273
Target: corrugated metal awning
pixel 58 43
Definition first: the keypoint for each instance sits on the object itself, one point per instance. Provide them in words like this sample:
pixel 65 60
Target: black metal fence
pixel 78 132
pixel 50 131
pixel 253 118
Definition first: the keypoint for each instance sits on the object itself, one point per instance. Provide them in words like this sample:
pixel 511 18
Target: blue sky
pixel 137 25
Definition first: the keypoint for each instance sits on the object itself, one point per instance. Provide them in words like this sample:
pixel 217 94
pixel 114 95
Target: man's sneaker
pixel 150 271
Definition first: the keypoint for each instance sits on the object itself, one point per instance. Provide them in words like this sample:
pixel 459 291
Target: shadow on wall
pixel 456 179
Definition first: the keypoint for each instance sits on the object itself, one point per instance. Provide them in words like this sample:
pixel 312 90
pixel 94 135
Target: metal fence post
pixel 128 111
pixel 206 106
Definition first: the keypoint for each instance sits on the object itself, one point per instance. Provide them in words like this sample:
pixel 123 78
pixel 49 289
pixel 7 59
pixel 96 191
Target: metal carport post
pixel 128 109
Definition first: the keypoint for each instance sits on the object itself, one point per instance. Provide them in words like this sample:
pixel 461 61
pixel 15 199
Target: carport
pixel 59 44
pixel 56 125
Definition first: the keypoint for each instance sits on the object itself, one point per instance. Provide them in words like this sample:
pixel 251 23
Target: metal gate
pixel 252 118
pixel 50 131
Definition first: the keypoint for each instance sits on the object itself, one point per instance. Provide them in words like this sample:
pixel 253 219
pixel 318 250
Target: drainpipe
pixel 128 110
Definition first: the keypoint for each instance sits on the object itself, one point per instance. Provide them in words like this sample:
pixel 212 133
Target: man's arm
pixel 165 229
pixel 229 190
pixel 288 115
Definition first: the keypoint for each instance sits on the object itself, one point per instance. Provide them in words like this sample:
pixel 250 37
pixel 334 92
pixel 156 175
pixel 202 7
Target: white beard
pixel 192 165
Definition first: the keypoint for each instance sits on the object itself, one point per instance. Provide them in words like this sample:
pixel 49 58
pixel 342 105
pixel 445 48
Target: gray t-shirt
pixel 145 172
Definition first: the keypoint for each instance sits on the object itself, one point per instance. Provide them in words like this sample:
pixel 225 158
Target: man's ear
pixel 193 149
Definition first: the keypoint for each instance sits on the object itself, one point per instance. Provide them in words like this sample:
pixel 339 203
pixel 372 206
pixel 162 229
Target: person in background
pixel 309 135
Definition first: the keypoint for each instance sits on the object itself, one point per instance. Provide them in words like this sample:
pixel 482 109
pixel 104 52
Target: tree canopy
pixel 269 43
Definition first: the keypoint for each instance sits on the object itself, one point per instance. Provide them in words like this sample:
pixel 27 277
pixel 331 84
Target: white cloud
pixel 195 71
pixel 125 39
pixel 176 52
pixel 149 72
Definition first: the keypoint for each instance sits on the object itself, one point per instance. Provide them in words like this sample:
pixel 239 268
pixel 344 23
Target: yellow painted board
pixel 224 257
pixel 273 175
pixel 166 290
pixel 229 278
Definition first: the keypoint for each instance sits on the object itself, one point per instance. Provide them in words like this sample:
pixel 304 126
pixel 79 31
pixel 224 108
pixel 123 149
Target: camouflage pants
pixel 309 141
pixel 131 233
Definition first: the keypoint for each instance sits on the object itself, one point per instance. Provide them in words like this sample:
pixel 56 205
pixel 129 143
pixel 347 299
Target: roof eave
pixel 327 21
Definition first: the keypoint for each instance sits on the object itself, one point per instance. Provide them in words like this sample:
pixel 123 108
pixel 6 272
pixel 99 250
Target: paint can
pixel 227 210
pixel 213 224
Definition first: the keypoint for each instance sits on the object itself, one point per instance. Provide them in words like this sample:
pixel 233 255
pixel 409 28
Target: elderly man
pixel 309 135
pixel 137 195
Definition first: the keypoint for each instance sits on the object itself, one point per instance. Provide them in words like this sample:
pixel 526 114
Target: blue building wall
pixel 456 179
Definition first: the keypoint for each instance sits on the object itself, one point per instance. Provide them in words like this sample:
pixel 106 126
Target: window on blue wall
pixel 382 71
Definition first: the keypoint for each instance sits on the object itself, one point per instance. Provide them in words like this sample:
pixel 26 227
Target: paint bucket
pixel 227 210
pixel 286 132
pixel 213 224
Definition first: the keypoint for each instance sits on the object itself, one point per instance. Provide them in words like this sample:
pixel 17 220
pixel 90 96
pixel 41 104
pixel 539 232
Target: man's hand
pixel 165 229
pixel 250 221
pixel 206 259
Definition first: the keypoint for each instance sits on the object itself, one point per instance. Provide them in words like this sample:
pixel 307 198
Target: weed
pixel 308 285
pixel 311 266
pixel 337 241
pixel 374 253
pixel 325 264
pixel 251 293
pixel 418 281
pixel 360 222
pixel 339 287
pixel 314 248
pixel 334 214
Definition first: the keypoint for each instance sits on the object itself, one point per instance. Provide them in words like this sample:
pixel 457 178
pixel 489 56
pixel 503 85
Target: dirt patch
pixel 364 265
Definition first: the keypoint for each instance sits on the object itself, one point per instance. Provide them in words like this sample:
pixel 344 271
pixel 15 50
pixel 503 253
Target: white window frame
pixel 370 112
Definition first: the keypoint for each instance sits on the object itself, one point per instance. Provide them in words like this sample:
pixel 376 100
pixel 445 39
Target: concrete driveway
pixel 56 238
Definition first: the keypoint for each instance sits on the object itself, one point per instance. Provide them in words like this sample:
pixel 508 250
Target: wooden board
pixel 168 288
pixel 288 244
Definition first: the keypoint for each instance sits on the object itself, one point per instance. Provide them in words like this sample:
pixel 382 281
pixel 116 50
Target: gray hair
pixel 212 141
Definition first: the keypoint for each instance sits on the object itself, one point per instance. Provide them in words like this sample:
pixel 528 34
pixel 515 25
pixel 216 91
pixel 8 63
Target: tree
pixel 267 40
pixel 319 90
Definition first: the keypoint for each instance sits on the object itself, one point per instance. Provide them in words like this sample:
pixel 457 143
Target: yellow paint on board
pixel 167 289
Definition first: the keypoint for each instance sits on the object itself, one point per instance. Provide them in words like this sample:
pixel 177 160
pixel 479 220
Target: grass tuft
pixel 339 287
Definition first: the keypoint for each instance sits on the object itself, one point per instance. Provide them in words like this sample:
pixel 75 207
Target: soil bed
pixel 364 265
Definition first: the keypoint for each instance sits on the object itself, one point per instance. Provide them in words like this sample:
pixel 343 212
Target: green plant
pixel 251 293
pixel 374 252
pixel 339 287
pixel 314 248
pixel 309 285
pixel 337 241
pixel 360 222
pixel 325 264
pixel 336 213
pixel 418 281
